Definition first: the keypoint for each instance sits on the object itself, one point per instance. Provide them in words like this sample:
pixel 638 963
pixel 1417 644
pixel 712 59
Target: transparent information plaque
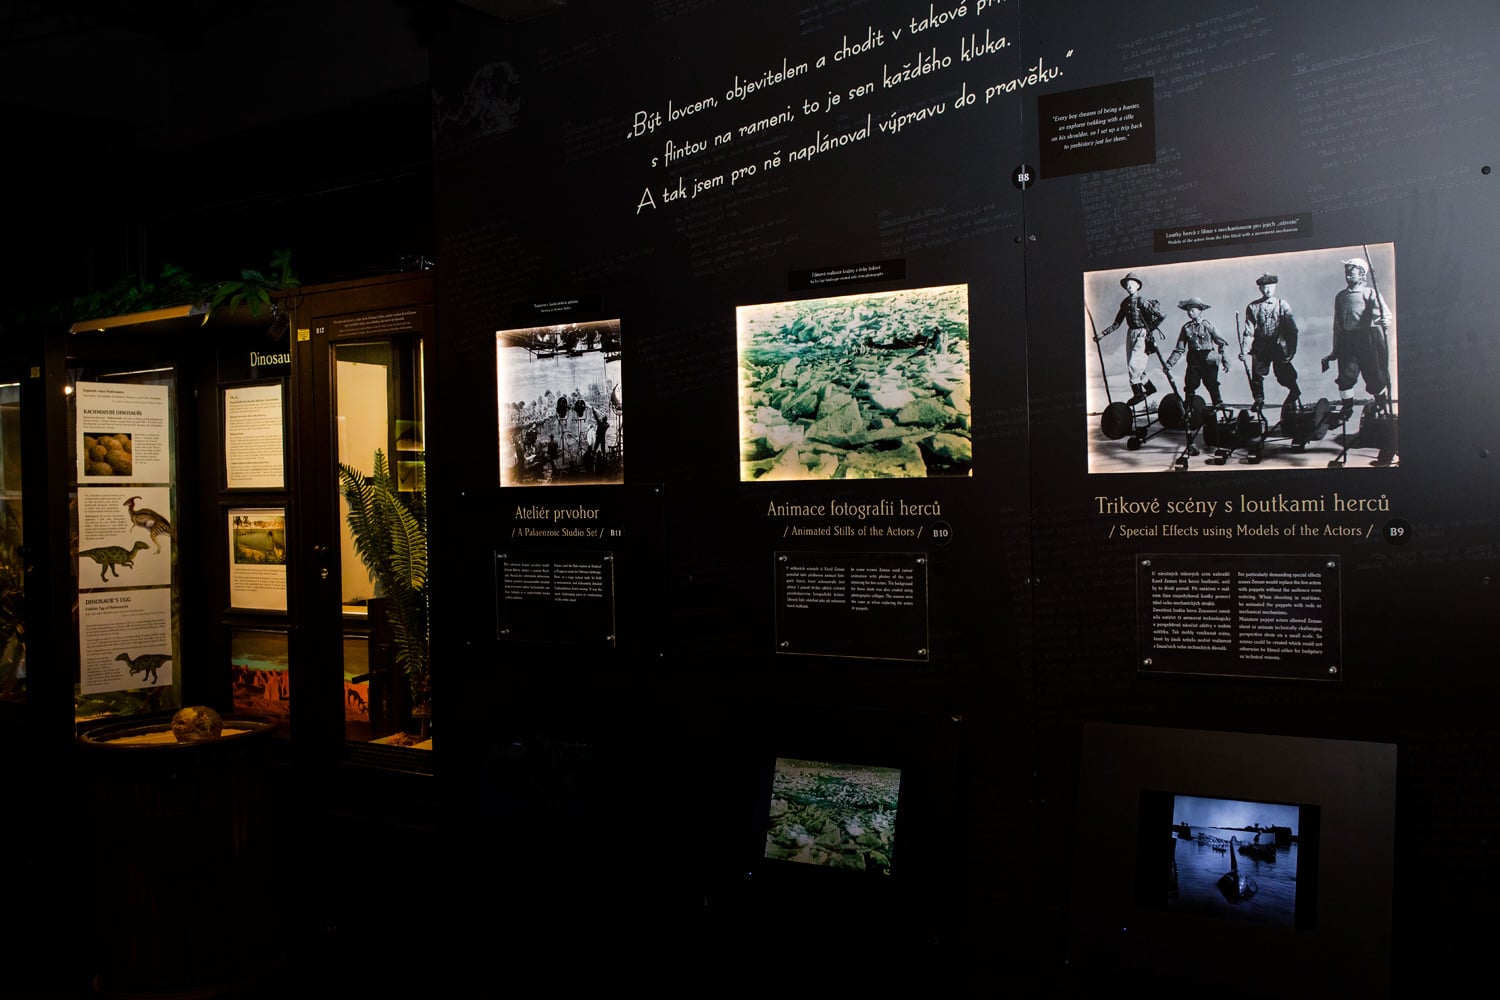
pixel 563 597
pixel 1240 615
pixel 868 605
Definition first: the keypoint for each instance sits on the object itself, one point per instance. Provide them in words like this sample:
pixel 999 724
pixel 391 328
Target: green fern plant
pixel 390 536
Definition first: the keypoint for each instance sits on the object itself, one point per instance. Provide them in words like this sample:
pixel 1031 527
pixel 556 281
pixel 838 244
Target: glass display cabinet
pixel 382 528
pixel 363 505
pixel 225 512
pixel 245 503
pixel 23 523
pixel 12 565
pixel 121 419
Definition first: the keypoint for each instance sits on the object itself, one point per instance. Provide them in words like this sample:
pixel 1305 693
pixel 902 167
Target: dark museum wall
pixel 766 206
pixel 884 503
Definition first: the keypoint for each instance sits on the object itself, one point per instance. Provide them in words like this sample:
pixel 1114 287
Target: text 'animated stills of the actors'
pixel 1279 361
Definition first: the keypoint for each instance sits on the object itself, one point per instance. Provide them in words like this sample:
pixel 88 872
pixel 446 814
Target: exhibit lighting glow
pixel 142 371
pixel 67 390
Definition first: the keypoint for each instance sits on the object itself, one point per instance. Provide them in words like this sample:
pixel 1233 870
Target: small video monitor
pixel 1232 859
pixel 833 815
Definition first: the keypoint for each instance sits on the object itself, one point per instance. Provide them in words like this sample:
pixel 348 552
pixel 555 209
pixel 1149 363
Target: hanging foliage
pixel 254 288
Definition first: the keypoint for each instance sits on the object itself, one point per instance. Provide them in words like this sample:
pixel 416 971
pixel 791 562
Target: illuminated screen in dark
pixel 1232 859
pixel 834 815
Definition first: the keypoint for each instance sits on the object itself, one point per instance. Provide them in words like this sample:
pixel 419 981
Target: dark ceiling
pixel 205 135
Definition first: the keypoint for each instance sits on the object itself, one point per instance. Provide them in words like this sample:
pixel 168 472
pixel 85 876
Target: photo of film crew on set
pixel 1278 361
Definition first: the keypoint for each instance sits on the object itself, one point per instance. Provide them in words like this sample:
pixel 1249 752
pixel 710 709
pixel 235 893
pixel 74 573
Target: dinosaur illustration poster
pixel 125 640
pixel 123 432
pixel 257 558
pixel 125 536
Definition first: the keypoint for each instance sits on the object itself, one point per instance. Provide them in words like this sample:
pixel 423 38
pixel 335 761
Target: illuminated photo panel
pixel 872 386
pixel 561 404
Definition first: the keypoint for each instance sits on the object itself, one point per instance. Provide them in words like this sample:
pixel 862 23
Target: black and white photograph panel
pixel 871 386
pixel 561 404
pixel 834 815
pixel 1233 859
pixel 1276 361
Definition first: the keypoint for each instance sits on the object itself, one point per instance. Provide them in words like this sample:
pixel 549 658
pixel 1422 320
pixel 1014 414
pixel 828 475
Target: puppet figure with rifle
pixel 1142 318
pixel 1361 324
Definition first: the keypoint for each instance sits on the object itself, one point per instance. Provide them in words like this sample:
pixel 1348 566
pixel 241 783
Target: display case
pixel 1278 846
pixel 119 423
pixel 46 826
pixel 361 467
pixel 243 493
pixel 219 498
pixel 12 564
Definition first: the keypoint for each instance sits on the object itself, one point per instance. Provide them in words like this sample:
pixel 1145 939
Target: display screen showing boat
pixel 1235 859
pixel 834 815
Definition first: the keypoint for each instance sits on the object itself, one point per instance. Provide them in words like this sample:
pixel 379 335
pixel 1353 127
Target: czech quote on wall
pixel 877 82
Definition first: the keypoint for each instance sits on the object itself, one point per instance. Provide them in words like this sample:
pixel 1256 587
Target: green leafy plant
pixel 390 535
pixel 173 286
pixel 254 289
